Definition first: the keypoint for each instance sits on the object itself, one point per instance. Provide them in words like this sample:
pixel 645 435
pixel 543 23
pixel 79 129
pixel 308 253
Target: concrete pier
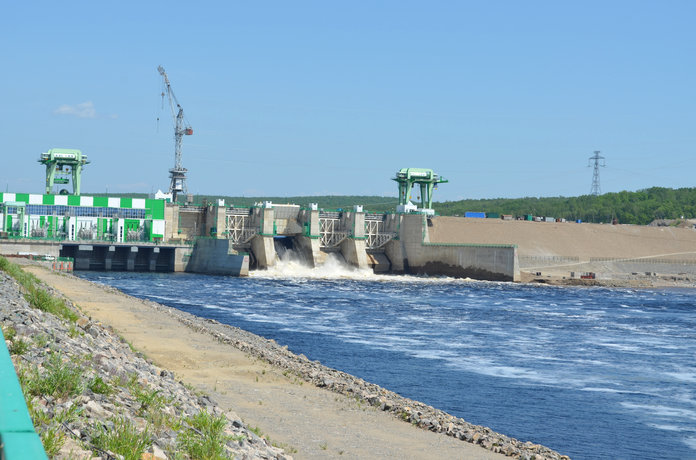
pixel 413 253
pixel 264 251
pixel 217 257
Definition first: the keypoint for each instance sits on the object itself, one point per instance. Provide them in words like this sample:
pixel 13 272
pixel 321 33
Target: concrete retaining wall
pixel 413 253
pixel 216 257
pixel 48 248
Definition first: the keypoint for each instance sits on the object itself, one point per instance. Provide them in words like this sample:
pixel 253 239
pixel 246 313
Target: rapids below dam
pixel 591 372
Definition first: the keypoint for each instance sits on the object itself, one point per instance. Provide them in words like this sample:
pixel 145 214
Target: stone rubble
pixel 110 358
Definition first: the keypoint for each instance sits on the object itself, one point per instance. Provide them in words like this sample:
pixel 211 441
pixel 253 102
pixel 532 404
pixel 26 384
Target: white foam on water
pixel 335 268
pixel 607 390
pixel 682 376
pixel 665 427
pixel 662 411
pixel 488 367
pixel 690 442
pixel 620 347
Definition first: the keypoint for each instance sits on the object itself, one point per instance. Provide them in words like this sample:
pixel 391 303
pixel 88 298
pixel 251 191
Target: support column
pixel 311 247
pixel 152 263
pixel 82 256
pixel 262 244
pixel 109 257
pixel 130 263
pixel 180 256
pixel 220 221
pixel 264 251
pixel 354 252
pixel 353 247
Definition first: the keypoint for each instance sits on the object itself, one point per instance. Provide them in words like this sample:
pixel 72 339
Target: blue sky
pixel 503 98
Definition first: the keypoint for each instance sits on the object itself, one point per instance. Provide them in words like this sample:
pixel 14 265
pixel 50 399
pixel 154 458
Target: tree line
pixel 640 207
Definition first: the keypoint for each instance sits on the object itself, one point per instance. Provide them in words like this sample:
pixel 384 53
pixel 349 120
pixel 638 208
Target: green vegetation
pixel 205 437
pixel 9 332
pixel 34 294
pixel 60 379
pixel 100 387
pixel 52 436
pixel 19 347
pixel 41 340
pixel 123 439
pixel 641 207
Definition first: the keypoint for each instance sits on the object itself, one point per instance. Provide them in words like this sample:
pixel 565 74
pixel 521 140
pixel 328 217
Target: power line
pixel 596 189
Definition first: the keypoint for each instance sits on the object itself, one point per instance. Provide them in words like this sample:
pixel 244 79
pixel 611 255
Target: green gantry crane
pixel 407 178
pixel 61 166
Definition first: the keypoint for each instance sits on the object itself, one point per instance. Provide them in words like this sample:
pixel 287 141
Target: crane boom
pixel 178 173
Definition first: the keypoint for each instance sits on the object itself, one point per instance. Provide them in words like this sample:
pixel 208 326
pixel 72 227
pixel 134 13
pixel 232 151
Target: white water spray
pixel 291 266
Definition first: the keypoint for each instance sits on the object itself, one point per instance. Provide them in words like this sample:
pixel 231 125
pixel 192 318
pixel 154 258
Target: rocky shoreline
pixel 112 359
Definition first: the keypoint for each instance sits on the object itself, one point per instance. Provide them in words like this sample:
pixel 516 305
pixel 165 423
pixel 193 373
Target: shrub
pixel 205 437
pixel 99 386
pixel 18 347
pixel 59 379
pixel 123 439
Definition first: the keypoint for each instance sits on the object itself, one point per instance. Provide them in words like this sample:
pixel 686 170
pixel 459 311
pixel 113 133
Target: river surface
pixel 594 373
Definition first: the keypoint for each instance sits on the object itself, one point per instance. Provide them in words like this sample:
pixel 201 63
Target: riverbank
pixel 311 410
pixel 613 280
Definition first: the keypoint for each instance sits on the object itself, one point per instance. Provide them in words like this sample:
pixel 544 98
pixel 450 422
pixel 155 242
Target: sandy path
pixel 309 422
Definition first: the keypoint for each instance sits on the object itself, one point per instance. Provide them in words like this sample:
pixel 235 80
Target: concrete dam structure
pixel 130 234
pixel 386 243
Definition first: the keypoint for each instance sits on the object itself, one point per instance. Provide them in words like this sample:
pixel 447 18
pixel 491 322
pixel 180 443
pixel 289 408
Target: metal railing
pixel 18 440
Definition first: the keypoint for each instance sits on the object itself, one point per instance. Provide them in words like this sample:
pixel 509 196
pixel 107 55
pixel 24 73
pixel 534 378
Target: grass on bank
pixel 34 294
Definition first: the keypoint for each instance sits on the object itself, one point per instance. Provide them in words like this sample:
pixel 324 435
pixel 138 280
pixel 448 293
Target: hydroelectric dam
pixel 161 234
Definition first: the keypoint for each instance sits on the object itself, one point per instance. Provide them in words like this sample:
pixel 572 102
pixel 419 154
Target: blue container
pixel 478 215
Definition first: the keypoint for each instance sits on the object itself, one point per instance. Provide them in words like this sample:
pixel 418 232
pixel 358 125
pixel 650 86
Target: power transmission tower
pixel 596 189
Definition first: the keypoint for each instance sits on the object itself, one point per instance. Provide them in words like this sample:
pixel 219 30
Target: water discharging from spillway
pixel 292 264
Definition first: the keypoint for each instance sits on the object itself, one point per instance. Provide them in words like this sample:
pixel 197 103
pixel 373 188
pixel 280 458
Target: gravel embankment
pixel 89 382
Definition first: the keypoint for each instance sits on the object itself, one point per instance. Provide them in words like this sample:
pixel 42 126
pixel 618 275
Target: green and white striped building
pixel 80 217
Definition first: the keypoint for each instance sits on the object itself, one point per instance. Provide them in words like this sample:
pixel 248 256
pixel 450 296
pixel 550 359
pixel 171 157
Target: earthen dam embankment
pixel 565 247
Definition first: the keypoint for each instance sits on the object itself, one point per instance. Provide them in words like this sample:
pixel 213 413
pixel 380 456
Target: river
pixel 594 373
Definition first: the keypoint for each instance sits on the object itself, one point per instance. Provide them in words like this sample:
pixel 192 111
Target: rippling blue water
pixel 591 372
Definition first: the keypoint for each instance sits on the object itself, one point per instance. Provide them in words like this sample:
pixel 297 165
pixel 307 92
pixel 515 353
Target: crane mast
pixel 177 174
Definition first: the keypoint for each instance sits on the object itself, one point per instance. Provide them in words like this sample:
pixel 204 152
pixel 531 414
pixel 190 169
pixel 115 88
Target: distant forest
pixel 640 207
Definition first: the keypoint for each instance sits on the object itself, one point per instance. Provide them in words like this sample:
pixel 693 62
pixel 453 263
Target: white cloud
pixel 83 110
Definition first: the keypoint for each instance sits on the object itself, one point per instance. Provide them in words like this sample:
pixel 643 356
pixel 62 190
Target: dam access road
pixel 318 423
